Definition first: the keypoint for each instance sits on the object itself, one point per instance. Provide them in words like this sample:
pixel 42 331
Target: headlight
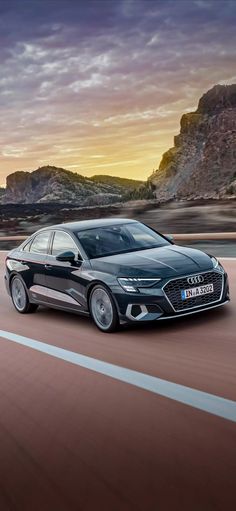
pixel 215 262
pixel 132 284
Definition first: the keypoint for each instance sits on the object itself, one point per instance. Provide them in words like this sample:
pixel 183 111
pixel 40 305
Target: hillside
pixel 52 184
pixel 202 162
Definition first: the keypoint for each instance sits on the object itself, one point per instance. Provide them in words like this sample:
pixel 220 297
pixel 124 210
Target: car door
pixel 63 279
pixel 34 256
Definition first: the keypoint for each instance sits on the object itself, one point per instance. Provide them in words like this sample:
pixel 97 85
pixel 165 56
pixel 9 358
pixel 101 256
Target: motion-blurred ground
pixel 173 217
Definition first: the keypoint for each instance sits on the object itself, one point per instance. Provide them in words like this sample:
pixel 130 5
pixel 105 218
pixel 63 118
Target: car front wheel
pixel 20 298
pixel 103 309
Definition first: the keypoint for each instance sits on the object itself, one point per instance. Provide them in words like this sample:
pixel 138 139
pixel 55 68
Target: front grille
pixel 173 291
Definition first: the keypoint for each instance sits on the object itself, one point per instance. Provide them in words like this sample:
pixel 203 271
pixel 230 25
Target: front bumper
pixel 153 304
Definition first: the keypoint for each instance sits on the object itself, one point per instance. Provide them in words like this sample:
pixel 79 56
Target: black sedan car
pixel 115 270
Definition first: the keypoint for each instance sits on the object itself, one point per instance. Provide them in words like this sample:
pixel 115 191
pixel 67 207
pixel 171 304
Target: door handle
pixel 48 266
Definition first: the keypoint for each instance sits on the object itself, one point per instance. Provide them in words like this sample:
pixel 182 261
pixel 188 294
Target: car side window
pixel 62 242
pixel 40 243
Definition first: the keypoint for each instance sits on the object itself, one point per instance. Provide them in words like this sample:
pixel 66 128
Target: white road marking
pixel 210 403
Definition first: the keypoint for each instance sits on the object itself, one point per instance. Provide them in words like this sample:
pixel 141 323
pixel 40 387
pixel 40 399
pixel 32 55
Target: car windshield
pixel 118 239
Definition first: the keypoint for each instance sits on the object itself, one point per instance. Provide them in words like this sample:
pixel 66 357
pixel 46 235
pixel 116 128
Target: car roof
pixel 90 224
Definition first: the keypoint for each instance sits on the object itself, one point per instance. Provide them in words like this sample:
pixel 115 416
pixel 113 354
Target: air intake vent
pixel 143 312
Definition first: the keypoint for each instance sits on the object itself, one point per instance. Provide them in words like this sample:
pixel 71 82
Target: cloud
pixel 13 152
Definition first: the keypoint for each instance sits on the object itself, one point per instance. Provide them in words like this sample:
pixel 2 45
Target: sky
pixel 99 86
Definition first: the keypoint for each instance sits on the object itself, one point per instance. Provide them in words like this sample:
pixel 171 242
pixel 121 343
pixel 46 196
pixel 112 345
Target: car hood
pixel 168 261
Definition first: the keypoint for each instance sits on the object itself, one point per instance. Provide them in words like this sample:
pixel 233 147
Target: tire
pixel 103 309
pixel 19 296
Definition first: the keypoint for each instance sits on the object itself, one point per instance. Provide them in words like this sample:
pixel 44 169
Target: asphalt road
pixel 73 439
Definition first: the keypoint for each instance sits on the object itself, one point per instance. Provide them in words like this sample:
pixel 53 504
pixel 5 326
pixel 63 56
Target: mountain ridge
pixel 55 184
pixel 202 162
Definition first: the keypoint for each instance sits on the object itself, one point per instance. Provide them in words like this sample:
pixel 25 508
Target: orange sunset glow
pixel 99 87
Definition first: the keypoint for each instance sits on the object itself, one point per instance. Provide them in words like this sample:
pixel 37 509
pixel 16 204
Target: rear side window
pixel 40 243
pixel 63 242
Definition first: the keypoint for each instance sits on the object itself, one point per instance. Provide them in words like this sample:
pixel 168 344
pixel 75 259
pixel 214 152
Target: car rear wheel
pixel 20 297
pixel 103 309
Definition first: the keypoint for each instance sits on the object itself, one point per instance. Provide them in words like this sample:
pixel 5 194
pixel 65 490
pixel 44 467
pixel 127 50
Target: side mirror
pixel 169 237
pixel 67 256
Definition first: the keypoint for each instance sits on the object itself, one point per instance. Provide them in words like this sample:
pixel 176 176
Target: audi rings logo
pixel 196 279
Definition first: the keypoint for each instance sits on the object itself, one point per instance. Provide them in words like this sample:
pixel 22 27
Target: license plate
pixel 197 291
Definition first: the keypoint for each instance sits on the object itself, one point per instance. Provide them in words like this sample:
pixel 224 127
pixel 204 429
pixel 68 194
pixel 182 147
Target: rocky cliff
pixel 202 162
pixel 52 184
